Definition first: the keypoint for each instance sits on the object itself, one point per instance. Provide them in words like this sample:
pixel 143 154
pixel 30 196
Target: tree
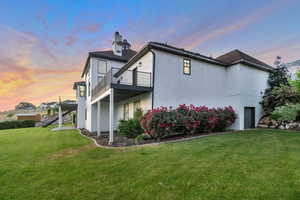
pixel 296 83
pixel 279 96
pixel 25 106
pixel 278 77
pixel 280 91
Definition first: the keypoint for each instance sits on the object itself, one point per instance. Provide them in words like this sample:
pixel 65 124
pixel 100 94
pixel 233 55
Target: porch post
pixel 98 118
pixel 111 116
pixel 59 116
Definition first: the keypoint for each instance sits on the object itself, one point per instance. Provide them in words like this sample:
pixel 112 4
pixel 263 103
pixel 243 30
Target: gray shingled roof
pixel 127 54
pixel 237 56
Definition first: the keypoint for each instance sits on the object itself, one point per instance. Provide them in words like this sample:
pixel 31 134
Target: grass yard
pixel 36 163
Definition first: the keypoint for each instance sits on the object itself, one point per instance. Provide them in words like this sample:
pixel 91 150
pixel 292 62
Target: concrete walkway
pixel 63 128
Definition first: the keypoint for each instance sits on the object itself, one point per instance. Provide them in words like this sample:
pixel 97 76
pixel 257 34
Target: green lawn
pixel 36 163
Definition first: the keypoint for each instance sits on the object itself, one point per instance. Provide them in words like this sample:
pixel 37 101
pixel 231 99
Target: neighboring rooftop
pixel 292 64
pixel 26 114
pixel 237 56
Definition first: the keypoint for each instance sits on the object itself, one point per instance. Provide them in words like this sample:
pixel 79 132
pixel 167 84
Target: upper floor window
pixel 88 89
pixel 187 66
pixel 82 91
pixel 101 66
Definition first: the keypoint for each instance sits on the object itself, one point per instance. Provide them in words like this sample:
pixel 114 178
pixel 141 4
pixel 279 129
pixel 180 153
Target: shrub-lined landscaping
pixel 17 124
pixel 163 122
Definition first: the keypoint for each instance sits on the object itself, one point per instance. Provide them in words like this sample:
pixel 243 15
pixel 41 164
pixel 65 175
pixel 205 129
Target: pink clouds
pixel 24 78
pixel 86 28
pixel 289 50
pixel 198 37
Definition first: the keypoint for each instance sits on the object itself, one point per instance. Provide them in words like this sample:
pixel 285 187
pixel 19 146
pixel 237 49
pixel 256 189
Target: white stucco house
pixel 117 82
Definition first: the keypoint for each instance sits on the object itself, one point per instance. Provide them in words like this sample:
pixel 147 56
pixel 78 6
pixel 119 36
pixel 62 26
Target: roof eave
pixel 257 66
pixel 91 54
pixel 137 56
pixel 152 45
pixel 85 66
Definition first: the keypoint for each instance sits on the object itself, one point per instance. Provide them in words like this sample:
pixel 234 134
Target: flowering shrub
pixel 163 122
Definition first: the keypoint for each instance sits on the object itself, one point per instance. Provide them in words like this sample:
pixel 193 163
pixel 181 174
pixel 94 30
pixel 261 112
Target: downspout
pixel 153 75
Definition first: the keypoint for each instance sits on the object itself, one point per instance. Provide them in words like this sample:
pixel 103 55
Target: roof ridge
pixel 237 55
pixel 187 51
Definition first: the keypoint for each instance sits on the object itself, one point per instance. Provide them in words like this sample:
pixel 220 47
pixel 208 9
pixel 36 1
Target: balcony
pixel 129 83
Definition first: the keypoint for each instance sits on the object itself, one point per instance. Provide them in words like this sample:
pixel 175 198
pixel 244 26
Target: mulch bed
pixel 121 141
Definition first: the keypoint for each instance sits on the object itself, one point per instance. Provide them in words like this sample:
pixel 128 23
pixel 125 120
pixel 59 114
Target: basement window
pixel 186 66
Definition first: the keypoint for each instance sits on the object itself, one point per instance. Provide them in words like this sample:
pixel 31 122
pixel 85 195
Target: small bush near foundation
pixel 138 114
pixel 17 124
pixel 163 122
pixel 289 112
pixel 130 128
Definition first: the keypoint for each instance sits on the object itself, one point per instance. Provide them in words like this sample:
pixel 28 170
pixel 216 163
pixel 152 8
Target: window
pixel 99 78
pixel 85 114
pixel 89 88
pixel 82 91
pixel 126 111
pixel 101 66
pixel 187 66
pixel 136 105
pixel 88 78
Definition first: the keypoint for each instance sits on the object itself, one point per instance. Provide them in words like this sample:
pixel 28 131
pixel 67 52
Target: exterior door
pixel 249 117
pixel 134 77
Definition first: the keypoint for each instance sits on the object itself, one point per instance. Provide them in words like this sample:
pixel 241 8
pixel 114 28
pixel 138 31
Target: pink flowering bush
pixel 163 122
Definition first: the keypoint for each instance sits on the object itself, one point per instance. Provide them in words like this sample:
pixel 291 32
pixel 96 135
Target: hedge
pixel 163 122
pixel 17 124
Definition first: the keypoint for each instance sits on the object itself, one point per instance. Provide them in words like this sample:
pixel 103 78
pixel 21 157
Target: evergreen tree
pixel 278 76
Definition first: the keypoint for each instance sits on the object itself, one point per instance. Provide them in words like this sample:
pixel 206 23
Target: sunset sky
pixel 44 44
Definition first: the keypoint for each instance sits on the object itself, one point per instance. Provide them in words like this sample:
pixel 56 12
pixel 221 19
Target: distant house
pixel 29 116
pixel 118 81
pixel 293 68
pixel 47 105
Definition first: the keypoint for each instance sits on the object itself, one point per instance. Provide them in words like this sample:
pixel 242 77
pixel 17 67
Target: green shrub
pixel 288 112
pixel 9 115
pixel 138 114
pixel 279 96
pixel 17 124
pixel 142 137
pixel 130 128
